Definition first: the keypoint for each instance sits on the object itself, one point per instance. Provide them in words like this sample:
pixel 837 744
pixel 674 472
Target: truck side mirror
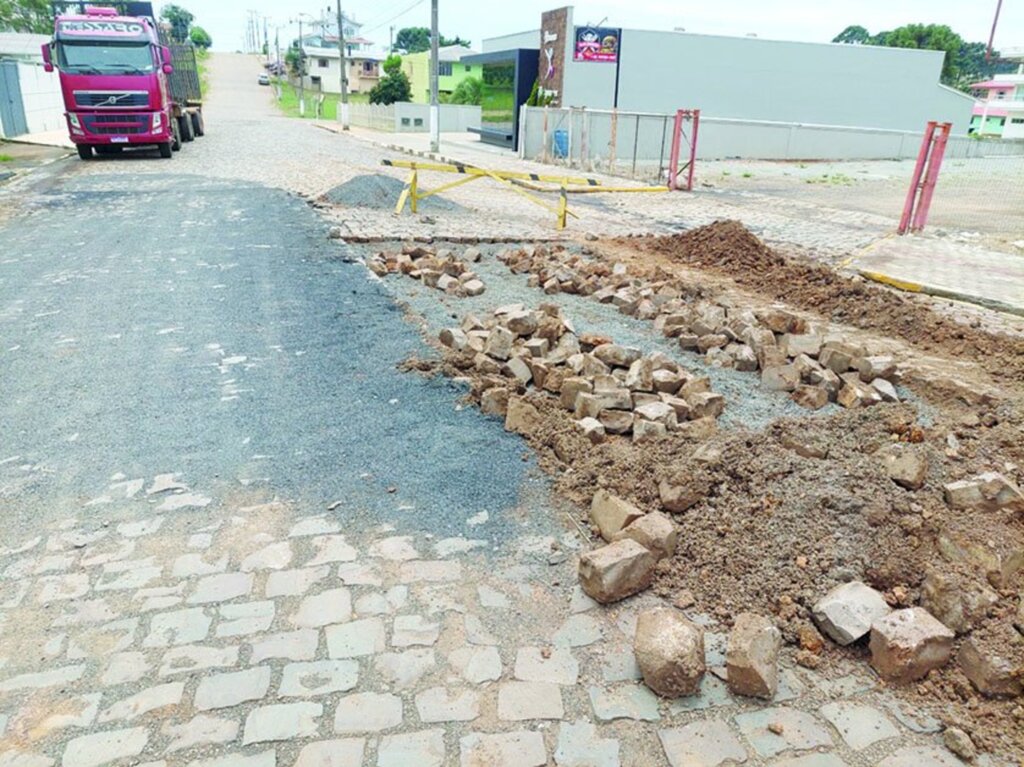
pixel 165 54
pixel 47 62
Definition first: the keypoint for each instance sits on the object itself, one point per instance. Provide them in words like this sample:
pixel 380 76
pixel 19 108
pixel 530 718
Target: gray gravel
pixel 380 192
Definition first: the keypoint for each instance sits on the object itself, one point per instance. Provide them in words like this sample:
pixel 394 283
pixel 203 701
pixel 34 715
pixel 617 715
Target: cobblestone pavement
pixel 256 609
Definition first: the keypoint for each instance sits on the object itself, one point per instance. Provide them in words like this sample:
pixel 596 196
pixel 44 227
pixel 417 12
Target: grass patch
pixel 836 179
pixel 289 102
pixel 498 104
pixel 6 158
pixel 202 61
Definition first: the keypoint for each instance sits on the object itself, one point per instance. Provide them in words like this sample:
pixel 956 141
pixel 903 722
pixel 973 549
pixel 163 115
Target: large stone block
pixel 752 656
pixel 616 571
pixel 907 644
pixel 670 652
pixel 990 491
pixel 612 514
pixel 847 612
pixel 654 531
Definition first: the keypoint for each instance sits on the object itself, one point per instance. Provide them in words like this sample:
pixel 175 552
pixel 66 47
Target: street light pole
pixel 344 66
pixel 302 74
pixel 435 105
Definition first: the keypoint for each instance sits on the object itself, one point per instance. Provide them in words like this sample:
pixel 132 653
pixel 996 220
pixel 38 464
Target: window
pixel 469 68
pixel 369 67
pixel 322 63
pixel 1017 121
pixel 444 69
pixel 315 80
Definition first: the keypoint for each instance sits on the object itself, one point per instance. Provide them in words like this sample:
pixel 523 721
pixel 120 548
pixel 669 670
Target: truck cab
pixel 115 80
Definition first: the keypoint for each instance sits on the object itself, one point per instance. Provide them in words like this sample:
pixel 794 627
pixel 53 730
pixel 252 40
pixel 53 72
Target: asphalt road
pixel 166 317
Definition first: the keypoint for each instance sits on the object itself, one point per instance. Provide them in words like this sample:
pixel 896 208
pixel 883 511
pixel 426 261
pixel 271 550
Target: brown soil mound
pixel 729 248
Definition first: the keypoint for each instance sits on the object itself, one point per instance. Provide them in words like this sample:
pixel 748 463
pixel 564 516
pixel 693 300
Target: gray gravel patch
pixel 381 192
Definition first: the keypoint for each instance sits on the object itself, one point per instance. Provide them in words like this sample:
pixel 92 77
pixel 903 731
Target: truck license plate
pixel 119 140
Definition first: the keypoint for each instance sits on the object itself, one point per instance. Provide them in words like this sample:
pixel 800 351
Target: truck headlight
pixel 73 118
pixel 158 121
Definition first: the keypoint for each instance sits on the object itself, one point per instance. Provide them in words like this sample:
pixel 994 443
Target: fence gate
pixel 12 108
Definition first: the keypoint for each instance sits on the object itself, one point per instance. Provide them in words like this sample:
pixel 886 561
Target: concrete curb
pixel 931 290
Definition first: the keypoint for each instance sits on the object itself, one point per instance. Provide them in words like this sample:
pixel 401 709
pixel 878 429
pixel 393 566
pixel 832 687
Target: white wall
pixel 750 78
pixel 405 117
pixel 529 39
pixel 41 98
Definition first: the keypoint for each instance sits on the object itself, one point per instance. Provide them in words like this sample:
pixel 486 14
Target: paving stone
pixel 431 571
pixel 123 580
pixel 18 758
pixel 358 574
pixel 859 725
pixel 580 746
pixel 914 720
pixel 228 690
pixel 800 731
pixel 12 594
pixel 518 701
pixel 580 602
pixel 295 583
pixel 200 731
pixel 114 551
pixel 477 633
pixel 702 744
pixel 448 547
pixel 56 588
pixel 197 658
pixel 333 753
pixel 323 609
pixel 104 747
pixel 305 680
pixel 620 666
pixel 125 667
pixel 195 564
pixel 628 701
pixel 40 679
pixel 578 631
pixel 398 548
pixel 331 548
pixel 178 628
pixel 293 645
pixel 412 630
pixel 150 699
pixel 845 686
pixel 713 692
pixel 476 664
pixel 222 587
pixel 491 598
pixel 367 712
pixel 439 704
pixel 276 556
pixel 374 603
pixel 79 711
pixel 810 760
pixel 101 641
pixel 245 618
pixel 907 644
pixel 200 541
pixel 557 665
pixel 423 749
pixel 405 669
pixel 314 526
pixel 507 749
pixel 356 639
pixel 264 759
pixel 921 756
pixel 846 612
pixel 141 528
pixel 282 721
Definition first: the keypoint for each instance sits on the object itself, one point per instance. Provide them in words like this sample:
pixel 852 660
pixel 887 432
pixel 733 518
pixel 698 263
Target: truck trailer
pixel 124 82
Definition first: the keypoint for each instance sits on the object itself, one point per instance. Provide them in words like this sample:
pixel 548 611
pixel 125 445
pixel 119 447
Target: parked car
pixel 264 80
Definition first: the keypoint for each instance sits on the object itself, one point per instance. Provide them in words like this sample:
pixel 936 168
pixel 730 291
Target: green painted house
pixel 451 71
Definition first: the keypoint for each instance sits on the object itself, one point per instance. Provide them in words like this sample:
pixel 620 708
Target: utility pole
pixel 302 74
pixel 343 60
pixel 391 40
pixel 266 39
pixel 435 105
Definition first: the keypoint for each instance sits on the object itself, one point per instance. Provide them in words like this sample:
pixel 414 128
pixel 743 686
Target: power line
pixel 397 15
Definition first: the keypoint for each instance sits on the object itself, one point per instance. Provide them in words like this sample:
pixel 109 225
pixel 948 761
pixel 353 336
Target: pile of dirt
pixel 379 192
pixel 730 249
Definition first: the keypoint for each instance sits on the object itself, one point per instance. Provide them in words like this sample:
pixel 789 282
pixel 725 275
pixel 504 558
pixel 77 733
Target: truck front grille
pixel 111 99
pixel 116 125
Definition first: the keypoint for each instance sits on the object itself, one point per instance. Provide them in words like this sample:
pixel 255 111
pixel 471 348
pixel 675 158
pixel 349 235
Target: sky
pixel 805 20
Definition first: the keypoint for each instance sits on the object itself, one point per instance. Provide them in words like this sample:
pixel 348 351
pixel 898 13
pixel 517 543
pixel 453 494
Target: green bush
pixel 469 91
pixel 394 86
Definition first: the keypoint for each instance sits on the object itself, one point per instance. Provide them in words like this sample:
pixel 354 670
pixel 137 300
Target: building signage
pixel 551 68
pixel 98 28
pixel 597 44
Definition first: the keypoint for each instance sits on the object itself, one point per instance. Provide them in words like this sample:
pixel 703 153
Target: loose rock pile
pixel 611 389
pixel 815 367
pixel 438 269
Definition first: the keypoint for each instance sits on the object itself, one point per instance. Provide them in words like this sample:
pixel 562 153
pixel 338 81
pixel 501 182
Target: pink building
pixel 999 110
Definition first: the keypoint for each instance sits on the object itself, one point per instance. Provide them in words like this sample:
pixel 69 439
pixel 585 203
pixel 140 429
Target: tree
pixel 180 20
pixel 33 16
pixel 417 40
pixel 394 86
pixel 200 37
pixel 296 61
pixel 469 91
pixel 853 35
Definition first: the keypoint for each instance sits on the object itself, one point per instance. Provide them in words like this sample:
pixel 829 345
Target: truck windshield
pixel 105 58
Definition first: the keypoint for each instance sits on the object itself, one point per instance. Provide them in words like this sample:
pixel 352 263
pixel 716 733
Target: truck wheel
pixel 84 151
pixel 185 128
pixel 175 136
pixel 197 124
pixel 165 150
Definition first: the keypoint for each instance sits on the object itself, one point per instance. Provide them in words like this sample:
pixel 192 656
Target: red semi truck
pixel 124 83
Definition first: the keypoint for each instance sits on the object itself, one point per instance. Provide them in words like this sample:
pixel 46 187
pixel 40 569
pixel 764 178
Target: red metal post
pixel 693 150
pixel 924 202
pixel 915 181
pixel 673 159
